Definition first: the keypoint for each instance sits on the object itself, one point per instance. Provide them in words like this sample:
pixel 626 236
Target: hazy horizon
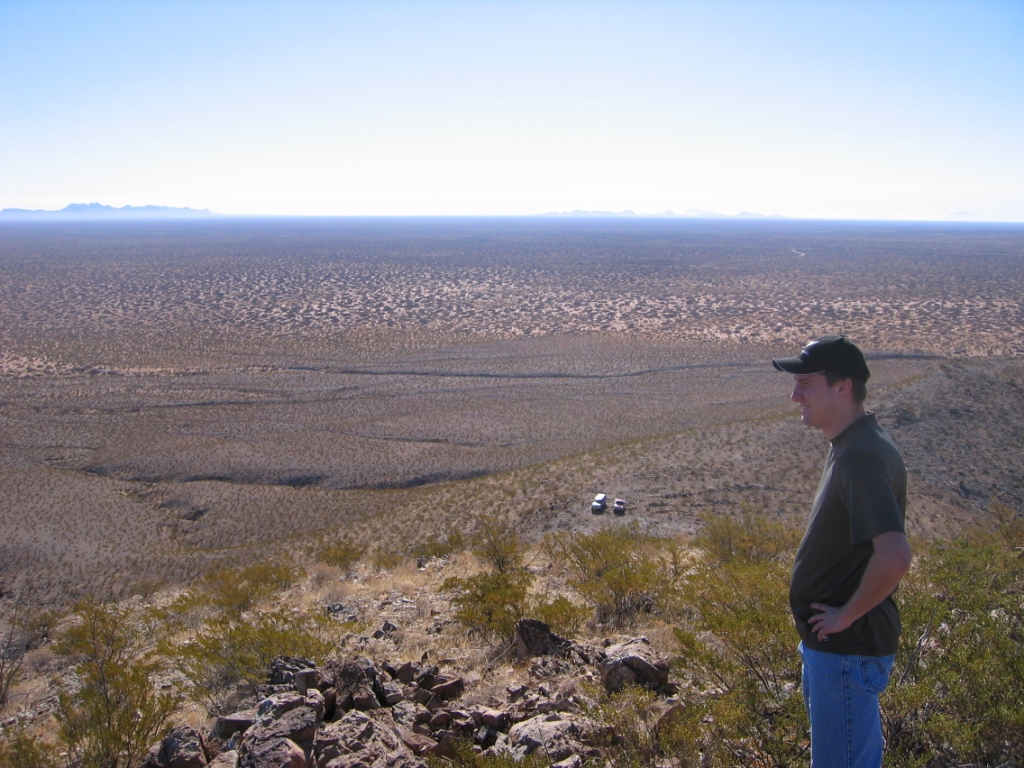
pixel 873 111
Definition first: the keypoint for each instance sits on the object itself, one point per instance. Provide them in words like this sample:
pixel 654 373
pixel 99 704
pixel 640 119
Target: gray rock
pixel 183 747
pixel 361 739
pixel 535 638
pixel 633 662
pixel 237 722
pixel 559 737
pixel 228 759
pixel 275 753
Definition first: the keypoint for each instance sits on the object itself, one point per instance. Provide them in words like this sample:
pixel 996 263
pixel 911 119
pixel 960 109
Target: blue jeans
pixel 841 694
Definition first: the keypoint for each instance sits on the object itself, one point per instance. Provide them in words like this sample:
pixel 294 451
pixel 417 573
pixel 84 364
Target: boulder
pixel 448 689
pixel 356 682
pixel 297 725
pixel 274 706
pixel 283 669
pixel 361 739
pixel 555 735
pixel 273 753
pixel 183 747
pixel 228 759
pixel 237 722
pixel 535 638
pixel 633 662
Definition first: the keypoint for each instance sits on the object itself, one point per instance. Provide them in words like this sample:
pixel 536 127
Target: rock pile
pixel 357 712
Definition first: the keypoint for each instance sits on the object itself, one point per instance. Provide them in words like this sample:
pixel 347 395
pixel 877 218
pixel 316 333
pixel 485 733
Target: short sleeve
pixel 867 490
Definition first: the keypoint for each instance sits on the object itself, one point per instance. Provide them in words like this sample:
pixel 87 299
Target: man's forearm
pixel 890 560
pixel 888 564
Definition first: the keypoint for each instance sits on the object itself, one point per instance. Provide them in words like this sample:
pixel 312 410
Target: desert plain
pixel 176 396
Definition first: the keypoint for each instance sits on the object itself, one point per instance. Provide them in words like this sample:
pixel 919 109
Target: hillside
pixel 309 430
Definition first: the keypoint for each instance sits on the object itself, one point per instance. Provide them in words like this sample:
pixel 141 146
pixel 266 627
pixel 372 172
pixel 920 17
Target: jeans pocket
pixel 874 672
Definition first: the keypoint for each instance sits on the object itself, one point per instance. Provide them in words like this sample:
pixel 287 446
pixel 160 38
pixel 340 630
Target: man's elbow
pixel 894 548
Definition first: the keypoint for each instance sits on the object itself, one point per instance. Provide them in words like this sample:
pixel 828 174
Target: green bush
pixel 499 545
pixel 749 536
pixel 386 559
pixel 237 590
pixel 231 649
pixel 640 730
pixel 617 570
pixel 739 655
pixel 490 604
pixel 957 695
pixel 436 546
pixel 738 647
pixel 112 717
pixel 19 749
pixel 563 616
pixel 13 644
pixel 343 552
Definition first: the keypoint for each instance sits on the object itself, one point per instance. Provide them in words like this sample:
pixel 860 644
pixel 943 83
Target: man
pixel 851 559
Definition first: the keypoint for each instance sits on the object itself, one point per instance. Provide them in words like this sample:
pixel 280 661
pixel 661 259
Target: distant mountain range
pixel 691 213
pixel 87 211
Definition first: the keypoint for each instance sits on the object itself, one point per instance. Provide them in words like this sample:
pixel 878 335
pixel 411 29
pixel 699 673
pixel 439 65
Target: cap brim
pixel 797 365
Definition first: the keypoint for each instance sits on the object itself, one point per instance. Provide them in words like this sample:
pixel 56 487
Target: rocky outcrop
pixel 358 712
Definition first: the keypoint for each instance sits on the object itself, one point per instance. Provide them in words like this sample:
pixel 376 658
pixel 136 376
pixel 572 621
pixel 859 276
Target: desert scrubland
pixel 177 396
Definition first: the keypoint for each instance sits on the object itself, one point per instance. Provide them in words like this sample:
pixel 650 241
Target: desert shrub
pixel 463 755
pixel 113 715
pixel 618 571
pixel 13 645
pixel 499 545
pixel 20 749
pixel 230 649
pixel 385 559
pixel 27 627
pixel 490 604
pixel 437 546
pixel 343 552
pixel 235 590
pixel 226 590
pixel 565 617
pixel 640 730
pixel 750 535
pixel 738 648
pixel 957 693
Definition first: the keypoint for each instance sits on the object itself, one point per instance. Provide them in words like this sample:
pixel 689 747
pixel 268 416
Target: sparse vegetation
pixel 111 714
pixel 229 650
pixel 640 730
pixel 618 571
pixel 20 749
pixel 738 649
pixel 958 692
pixel 232 419
pixel 490 603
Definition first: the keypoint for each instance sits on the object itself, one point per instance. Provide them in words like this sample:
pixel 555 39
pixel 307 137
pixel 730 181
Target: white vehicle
pixel 619 508
pixel 599 504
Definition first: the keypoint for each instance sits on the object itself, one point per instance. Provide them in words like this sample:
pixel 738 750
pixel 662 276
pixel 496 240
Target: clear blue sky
pixel 897 109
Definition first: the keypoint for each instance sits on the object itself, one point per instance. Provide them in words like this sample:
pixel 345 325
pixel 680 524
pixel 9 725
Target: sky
pixel 818 109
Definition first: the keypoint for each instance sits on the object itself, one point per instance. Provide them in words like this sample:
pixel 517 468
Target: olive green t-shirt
pixel 862 494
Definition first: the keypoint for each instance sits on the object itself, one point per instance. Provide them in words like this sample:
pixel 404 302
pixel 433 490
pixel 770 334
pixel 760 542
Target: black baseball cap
pixel 828 354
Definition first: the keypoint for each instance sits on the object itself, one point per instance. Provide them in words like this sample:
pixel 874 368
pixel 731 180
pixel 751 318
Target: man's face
pixel 819 404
